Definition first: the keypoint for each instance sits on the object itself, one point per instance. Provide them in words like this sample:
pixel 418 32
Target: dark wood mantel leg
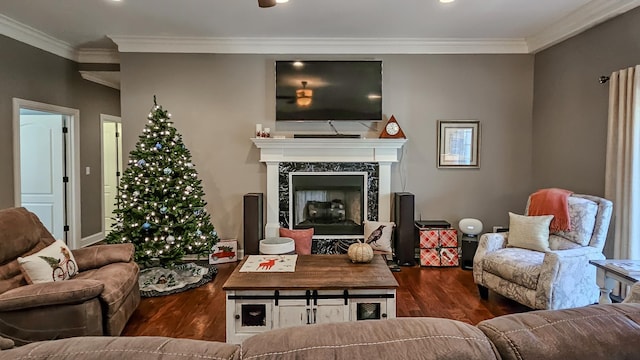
pixel 484 292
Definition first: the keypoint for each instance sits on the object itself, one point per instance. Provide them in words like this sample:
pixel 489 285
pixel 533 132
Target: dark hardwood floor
pixel 435 292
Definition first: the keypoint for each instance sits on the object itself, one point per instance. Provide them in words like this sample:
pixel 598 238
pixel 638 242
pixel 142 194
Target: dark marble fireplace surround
pixel 328 245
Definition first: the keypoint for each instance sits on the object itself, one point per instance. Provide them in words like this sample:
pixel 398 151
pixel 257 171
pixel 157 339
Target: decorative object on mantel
pixel 159 281
pixel 360 252
pixel 392 130
pixel 262 133
pixel 458 144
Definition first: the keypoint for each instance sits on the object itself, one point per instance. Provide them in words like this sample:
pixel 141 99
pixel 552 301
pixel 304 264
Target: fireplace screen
pixel 331 204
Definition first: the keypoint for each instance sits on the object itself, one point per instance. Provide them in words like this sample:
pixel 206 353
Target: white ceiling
pixel 305 26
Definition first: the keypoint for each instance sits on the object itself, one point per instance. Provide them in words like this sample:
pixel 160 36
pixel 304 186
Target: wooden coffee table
pixel 324 288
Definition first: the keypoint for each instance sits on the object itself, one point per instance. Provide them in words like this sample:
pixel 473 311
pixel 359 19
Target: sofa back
pixel 21 233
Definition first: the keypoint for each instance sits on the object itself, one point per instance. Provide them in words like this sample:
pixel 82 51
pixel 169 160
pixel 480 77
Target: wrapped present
pixel 438 247
pixel 224 251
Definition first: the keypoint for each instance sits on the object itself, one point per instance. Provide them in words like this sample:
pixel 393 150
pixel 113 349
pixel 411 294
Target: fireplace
pixel 331 203
pixel 328 157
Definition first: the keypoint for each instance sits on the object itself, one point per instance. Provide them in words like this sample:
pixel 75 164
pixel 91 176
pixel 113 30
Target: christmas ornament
pixel 188 165
pixel 189 188
pixel 136 193
pixel 158 146
pixel 170 240
pixel 141 163
pixel 167 171
pixel 163 210
pixel 146 226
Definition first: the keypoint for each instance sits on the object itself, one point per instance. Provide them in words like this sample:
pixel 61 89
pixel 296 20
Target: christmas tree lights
pixel 160 205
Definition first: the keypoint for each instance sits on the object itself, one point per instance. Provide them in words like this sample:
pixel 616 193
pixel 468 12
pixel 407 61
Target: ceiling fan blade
pixel 266 3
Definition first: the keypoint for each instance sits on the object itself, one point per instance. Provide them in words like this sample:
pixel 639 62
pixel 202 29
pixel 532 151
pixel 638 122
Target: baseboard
pixel 91 239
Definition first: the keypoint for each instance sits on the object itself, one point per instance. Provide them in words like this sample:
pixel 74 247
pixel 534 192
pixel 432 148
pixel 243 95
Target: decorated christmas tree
pixel 160 205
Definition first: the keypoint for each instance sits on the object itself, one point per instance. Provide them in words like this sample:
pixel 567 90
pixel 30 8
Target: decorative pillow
pixel 529 232
pixel 378 235
pixel 302 239
pixel 53 263
pixel 582 215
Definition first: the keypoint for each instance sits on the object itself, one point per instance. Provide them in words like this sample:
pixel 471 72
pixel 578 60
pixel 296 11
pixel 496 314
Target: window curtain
pixel 622 174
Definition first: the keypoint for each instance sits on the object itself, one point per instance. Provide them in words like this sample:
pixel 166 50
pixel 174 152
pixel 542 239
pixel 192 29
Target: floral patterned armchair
pixel 557 279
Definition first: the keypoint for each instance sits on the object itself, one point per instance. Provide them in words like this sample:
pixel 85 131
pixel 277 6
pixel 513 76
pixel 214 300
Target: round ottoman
pixel 277 246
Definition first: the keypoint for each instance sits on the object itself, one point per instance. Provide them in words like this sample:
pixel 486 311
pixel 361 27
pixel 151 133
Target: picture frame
pixel 458 144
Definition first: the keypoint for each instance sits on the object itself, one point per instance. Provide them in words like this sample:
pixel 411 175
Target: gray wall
pixel 570 106
pixel 216 100
pixel 32 74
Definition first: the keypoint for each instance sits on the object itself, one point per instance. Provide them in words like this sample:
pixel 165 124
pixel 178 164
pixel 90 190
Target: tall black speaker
pixel 253 222
pixel 404 238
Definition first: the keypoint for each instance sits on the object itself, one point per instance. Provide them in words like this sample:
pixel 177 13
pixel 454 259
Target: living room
pixel 543 115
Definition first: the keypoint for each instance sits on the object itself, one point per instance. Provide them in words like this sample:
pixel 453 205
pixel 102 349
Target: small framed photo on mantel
pixel 458 144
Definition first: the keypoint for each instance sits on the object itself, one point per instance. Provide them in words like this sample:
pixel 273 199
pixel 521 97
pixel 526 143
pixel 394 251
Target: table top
pixel 602 264
pixel 317 272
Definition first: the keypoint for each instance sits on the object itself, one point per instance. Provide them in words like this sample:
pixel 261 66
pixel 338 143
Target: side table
pixel 607 278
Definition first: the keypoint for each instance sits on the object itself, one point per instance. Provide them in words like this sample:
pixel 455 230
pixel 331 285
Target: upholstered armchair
pixel 556 279
pixel 98 300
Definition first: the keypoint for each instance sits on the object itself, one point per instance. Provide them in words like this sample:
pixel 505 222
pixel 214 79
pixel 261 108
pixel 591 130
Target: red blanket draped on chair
pixel 552 202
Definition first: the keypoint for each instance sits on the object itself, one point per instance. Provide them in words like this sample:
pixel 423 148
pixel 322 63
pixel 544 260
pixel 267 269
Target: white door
pixel 293 313
pixel 111 168
pixel 42 169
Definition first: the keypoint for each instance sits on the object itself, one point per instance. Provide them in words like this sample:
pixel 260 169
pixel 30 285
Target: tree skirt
pixel 159 281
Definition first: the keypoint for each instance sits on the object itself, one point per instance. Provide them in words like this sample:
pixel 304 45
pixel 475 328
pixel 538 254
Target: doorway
pixel 46 166
pixel 111 167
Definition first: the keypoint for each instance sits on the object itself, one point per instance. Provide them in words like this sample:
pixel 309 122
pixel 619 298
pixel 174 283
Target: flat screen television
pixel 329 90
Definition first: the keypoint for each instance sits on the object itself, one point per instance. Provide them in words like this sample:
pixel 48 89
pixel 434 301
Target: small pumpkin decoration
pixel 360 252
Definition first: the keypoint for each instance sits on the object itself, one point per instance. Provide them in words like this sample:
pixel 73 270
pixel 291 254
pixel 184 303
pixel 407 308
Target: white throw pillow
pixel 529 232
pixel 378 235
pixel 53 263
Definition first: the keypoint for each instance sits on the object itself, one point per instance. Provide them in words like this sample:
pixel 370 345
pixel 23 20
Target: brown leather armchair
pixel 97 301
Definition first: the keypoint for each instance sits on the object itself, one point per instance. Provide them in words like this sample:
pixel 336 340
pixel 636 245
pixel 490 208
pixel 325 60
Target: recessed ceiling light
pixel 282 1
pixel 446 1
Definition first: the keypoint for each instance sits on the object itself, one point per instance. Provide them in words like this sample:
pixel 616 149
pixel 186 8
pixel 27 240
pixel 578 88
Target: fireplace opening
pixel 331 204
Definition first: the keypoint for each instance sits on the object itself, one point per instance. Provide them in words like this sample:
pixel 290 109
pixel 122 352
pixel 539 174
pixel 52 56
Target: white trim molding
pixel 169 44
pixel 94 77
pixel 91 239
pixel 36 38
pixel 584 18
pixel 98 56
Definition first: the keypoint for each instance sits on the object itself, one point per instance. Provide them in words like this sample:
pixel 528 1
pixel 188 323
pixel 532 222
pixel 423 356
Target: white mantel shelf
pixel 328 149
pixel 274 151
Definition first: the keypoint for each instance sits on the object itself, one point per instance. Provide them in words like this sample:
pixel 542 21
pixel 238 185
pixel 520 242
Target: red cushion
pixel 302 239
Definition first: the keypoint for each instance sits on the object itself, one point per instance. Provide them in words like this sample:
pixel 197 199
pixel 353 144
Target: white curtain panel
pixel 622 181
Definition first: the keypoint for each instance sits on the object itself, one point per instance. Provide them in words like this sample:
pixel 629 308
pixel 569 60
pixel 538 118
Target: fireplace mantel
pixel 274 151
pixel 329 150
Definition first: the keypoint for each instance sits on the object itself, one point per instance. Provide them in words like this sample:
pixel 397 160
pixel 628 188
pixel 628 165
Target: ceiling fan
pixel 303 96
pixel 270 3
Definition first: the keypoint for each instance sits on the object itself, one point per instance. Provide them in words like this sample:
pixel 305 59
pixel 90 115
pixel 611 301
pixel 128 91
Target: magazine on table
pixel 629 267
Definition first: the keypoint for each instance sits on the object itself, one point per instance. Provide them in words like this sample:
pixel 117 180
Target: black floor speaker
pixel 404 235
pixel 469 247
pixel 253 222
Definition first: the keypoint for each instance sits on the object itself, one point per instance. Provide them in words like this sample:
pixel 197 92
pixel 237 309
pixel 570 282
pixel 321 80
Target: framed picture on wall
pixel 458 144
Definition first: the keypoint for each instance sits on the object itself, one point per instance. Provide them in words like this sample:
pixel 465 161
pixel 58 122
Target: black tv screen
pixel 328 90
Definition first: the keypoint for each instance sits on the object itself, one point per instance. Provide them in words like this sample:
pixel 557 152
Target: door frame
pixel 73 215
pixel 114 119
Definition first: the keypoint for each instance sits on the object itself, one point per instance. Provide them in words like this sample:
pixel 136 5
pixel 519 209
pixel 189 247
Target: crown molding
pixel 36 38
pixel 98 56
pixel 167 44
pixel 92 76
pixel 587 16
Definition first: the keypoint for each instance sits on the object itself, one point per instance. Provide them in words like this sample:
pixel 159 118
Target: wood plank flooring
pixel 435 292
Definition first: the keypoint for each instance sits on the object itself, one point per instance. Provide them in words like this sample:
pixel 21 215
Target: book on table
pixel 628 267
